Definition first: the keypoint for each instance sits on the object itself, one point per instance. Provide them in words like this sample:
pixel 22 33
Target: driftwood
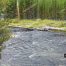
pixel 47 28
pixel 53 28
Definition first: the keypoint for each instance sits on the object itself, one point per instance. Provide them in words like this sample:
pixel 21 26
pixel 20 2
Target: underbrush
pixel 4 32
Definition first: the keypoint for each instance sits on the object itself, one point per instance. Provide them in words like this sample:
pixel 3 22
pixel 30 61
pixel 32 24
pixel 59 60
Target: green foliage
pixel 4 32
pixel 11 9
pixel 51 9
pixel 38 23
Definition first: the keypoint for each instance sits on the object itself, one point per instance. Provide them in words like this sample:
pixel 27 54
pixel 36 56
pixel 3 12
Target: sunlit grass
pixel 38 23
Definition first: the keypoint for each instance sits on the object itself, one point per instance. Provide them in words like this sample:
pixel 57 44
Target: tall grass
pixel 4 33
pixel 51 9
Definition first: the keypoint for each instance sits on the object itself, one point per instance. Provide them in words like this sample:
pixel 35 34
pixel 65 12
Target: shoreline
pixel 47 28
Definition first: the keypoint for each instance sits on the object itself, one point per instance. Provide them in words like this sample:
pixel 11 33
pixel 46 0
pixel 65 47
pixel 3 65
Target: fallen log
pixel 53 28
pixel 47 28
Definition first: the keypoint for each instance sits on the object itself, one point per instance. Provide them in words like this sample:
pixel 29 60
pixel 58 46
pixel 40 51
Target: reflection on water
pixel 35 48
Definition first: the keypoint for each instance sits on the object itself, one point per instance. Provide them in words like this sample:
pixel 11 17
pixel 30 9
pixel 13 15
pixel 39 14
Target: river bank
pixel 40 24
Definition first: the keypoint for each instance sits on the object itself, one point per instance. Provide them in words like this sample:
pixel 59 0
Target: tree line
pixel 33 9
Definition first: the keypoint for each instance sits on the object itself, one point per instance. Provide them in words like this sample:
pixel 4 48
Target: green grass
pixel 4 32
pixel 38 23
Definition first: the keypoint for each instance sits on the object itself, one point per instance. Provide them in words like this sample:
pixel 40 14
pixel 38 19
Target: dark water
pixel 34 48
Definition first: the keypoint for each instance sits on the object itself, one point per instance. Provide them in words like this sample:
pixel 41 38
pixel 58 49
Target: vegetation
pixel 4 32
pixel 33 14
pixel 32 9
pixel 38 23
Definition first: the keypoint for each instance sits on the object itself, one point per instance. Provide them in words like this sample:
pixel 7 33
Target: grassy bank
pixel 38 23
pixel 4 32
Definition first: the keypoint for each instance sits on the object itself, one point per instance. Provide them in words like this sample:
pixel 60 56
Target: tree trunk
pixel 18 11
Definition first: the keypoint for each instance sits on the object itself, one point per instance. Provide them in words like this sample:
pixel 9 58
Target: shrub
pixel 4 32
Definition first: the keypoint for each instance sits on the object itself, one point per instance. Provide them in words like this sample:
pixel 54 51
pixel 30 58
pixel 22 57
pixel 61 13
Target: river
pixel 34 48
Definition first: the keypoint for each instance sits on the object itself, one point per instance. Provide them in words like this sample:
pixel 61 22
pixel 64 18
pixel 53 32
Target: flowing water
pixel 34 48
